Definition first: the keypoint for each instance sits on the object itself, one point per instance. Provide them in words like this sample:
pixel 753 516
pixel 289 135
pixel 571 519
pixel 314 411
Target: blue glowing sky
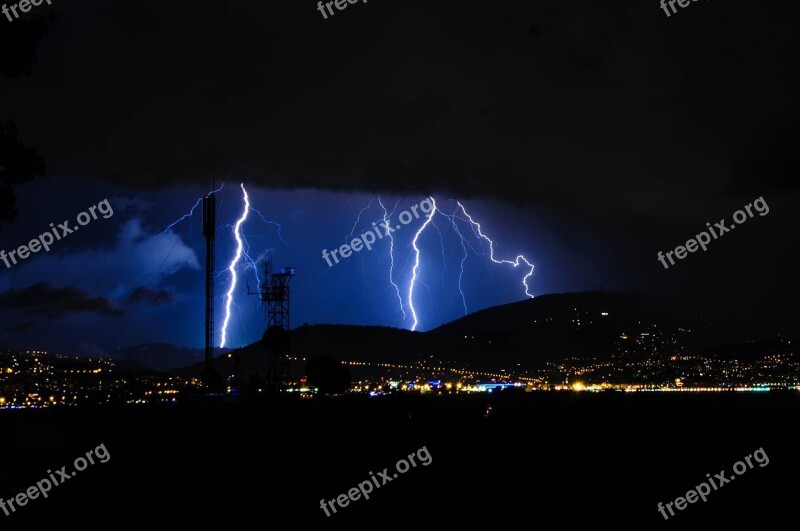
pixel 586 137
pixel 137 283
pixel 114 257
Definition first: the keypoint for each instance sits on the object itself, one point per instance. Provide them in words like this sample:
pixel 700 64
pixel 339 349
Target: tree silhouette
pixel 19 163
pixel 18 42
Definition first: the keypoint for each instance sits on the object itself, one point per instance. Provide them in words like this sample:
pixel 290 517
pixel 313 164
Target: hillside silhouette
pixel 530 333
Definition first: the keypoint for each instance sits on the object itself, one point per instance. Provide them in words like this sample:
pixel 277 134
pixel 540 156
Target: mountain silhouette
pixel 529 332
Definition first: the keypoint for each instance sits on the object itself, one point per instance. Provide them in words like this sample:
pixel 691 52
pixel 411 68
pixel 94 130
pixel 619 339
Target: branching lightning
pixel 515 263
pixel 415 270
pixel 358 219
pixel 386 216
pixel 458 217
pixel 268 222
pixel 250 261
pixel 441 243
pixel 452 218
pixel 191 212
pixel 237 233
pixel 242 252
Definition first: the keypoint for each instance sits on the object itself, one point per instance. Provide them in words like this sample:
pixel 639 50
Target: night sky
pixel 583 135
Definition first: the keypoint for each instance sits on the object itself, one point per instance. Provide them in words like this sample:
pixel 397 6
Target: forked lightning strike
pixel 515 263
pixel 415 270
pixel 237 233
pixel 476 229
pixel 242 251
pixel 386 217
pixel 191 211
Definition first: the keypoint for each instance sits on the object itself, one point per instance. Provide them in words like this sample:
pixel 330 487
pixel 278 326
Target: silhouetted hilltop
pixel 529 332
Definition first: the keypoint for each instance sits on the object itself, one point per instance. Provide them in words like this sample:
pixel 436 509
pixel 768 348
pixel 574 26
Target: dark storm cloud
pixel 620 131
pixel 150 296
pixel 41 300
pixel 552 102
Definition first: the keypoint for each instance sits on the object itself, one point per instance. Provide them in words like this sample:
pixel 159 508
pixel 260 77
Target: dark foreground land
pixel 535 459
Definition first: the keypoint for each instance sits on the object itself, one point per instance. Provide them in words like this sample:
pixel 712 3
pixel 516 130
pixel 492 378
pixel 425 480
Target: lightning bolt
pixel 441 243
pixel 457 218
pixel 243 250
pixel 415 270
pixel 250 261
pixel 191 211
pixel 349 238
pixel 237 233
pixel 358 220
pixel 516 263
pixel 452 218
pixel 268 222
pixel 386 217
